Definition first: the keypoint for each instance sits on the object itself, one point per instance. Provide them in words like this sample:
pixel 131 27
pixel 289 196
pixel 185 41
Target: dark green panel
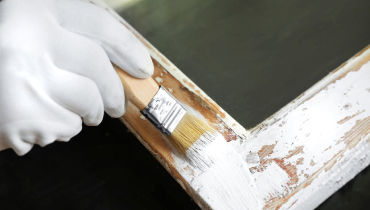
pixel 254 57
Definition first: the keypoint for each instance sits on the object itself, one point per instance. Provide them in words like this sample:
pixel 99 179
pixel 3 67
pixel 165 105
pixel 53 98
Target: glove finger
pixel 19 146
pixel 56 131
pixel 22 135
pixel 84 57
pixel 78 94
pixel 93 22
pixel 12 140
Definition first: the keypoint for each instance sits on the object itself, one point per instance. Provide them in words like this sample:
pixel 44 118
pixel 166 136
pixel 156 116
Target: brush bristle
pixel 188 132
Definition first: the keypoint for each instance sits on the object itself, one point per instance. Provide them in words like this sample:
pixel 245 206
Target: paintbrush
pixel 223 179
pixel 186 132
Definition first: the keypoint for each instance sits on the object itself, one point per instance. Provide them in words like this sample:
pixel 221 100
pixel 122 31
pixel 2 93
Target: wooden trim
pixel 299 156
pixel 318 142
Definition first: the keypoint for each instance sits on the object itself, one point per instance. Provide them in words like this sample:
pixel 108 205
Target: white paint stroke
pixel 227 183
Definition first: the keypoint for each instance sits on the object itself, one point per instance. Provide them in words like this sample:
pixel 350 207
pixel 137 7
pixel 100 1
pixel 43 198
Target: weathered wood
pixel 299 156
pixel 318 142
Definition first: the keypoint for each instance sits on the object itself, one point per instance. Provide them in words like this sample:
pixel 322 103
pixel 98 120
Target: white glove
pixel 55 69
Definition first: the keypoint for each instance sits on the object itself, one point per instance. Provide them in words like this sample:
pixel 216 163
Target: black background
pixel 104 167
pixel 251 57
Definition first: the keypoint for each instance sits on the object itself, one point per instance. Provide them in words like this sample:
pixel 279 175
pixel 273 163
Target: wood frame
pixel 299 156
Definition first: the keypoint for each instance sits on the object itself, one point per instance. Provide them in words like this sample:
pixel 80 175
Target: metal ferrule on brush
pixel 164 111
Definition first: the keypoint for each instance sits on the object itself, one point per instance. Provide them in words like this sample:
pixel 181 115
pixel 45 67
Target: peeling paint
pixel 324 126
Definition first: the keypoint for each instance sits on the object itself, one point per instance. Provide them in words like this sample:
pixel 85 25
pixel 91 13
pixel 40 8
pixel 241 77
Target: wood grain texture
pixel 138 91
pixel 306 151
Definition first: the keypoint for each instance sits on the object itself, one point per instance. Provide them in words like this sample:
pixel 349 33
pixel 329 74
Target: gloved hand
pixel 55 69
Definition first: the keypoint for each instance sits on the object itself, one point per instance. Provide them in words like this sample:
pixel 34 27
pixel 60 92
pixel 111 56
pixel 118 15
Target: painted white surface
pixel 318 124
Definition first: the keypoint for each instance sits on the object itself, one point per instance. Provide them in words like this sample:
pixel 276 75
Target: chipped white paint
pixel 329 182
pixel 309 138
pixel 159 80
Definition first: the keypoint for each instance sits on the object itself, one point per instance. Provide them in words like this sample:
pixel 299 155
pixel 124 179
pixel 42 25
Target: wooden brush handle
pixel 138 91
